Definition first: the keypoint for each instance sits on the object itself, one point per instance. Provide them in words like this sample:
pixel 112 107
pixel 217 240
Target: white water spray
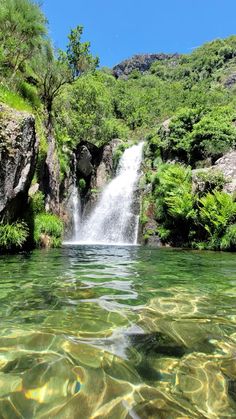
pixel 113 221
pixel 76 213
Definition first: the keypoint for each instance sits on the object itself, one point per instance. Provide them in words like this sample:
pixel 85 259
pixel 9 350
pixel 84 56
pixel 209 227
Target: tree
pixel 78 54
pixel 23 28
pixel 52 74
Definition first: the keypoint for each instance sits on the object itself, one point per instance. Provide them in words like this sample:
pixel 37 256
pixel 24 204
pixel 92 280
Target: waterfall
pixel 76 208
pixel 113 220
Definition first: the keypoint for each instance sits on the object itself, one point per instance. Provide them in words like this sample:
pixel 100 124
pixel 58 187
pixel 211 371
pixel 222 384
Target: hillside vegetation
pixel 183 106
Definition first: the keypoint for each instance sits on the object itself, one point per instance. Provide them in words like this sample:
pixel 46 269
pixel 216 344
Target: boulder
pixel 18 151
pixel 84 159
pixel 227 165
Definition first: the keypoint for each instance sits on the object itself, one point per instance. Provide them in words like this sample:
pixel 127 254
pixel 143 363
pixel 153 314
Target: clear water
pixel 118 332
pixel 113 219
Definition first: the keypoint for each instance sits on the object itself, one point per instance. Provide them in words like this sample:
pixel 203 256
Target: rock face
pixel 50 177
pixel 103 169
pixel 95 166
pixel 230 81
pixel 18 151
pixel 226 165
pixel 84 165
pixel 142 63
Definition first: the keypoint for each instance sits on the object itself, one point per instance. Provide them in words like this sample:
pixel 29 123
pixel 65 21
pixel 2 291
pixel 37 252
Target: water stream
pixel 114 220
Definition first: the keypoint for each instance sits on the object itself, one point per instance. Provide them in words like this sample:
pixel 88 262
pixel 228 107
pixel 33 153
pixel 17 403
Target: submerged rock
pixel 18 151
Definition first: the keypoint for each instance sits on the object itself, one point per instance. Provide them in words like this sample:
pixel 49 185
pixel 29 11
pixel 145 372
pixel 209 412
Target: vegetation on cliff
pixel 183 105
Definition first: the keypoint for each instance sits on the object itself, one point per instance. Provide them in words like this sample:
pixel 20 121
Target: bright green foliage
pixel 187 219
pixel 228 241
pixel 118 152
pixel 37 202
pixel 23 26
pixel 174 200
pixel 199 65
pixel 14 100
pixel 194 134
pixel 52 73
pixel 48 230
pixel 29 93
pixel 78 54
pixel 147 201
pixel 209 180
pixel 216 212
pixel 82 184
pixel 173 187
pixel 213 135
pixel 86 109
pixel 175 140
pixel 145 101
pixel 13 236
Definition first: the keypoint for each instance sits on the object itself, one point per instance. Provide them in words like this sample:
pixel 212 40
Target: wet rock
pixel 84 164
pixel 66 204
pixel 102 172
pixel 18 151
pixel 156 343
pixel 52 177
pixel 148 233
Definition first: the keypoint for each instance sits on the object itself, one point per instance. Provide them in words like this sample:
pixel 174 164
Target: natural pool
pixel 118 332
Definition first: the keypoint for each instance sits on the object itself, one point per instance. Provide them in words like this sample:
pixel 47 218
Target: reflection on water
pixel 118 332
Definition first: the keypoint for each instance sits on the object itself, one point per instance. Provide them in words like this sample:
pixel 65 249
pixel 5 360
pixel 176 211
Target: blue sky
pixel 118 29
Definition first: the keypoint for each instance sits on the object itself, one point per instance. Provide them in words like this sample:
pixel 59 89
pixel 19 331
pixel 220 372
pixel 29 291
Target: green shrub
pixel 175 139
pixel 48 230
pixel 173 190
pixel 30 93
pixel 118 153
pixel 228 241
pixel 37 202
pixel 216 212
pixel 147 201
pixel 13 236
pixel 164 233
pixel 209 180
pixel 14 100
pixel 213 135
pixel 174 201
pixel 82 184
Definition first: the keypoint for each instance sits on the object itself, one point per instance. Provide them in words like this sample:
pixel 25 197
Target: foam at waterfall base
pixel 90 243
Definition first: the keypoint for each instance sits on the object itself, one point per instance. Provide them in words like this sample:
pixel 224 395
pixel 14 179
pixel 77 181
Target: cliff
pixel 142 63
pixel 18 152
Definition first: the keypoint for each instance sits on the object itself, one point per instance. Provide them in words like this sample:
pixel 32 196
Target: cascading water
pixel 76 213
pixel 113 220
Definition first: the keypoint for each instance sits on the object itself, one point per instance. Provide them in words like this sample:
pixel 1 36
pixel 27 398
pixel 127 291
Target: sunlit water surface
pixel 118 332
